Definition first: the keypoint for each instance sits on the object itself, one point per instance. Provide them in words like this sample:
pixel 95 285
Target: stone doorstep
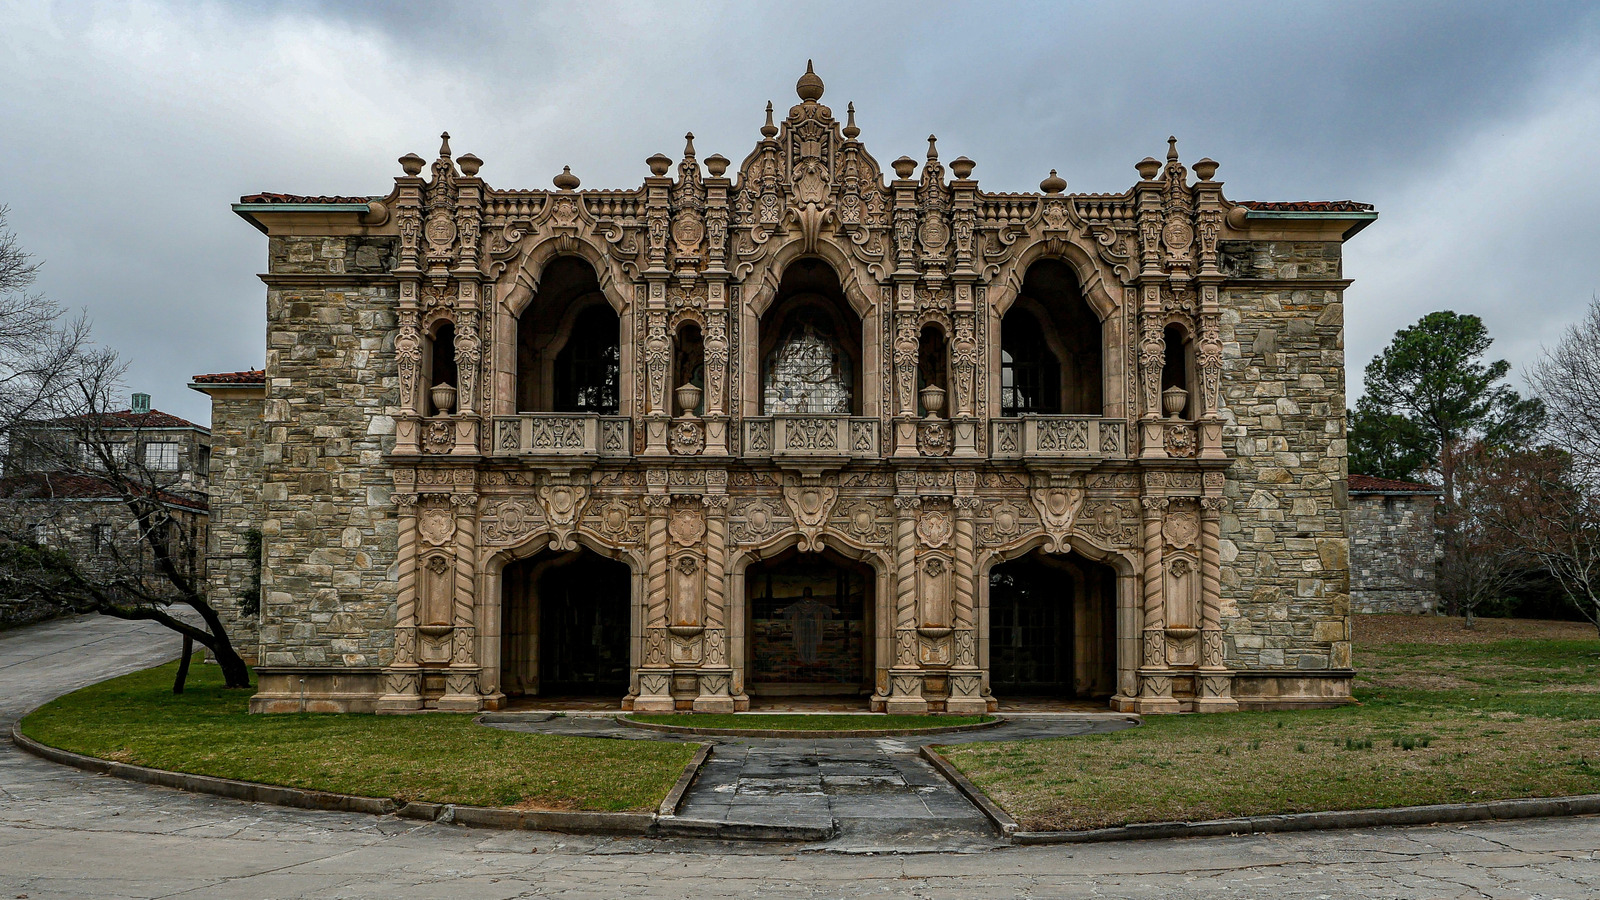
pixel 1434 814
pixel 801 734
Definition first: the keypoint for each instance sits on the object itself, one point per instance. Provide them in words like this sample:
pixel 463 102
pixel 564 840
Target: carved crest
pixel 1058 511
pixel 810 505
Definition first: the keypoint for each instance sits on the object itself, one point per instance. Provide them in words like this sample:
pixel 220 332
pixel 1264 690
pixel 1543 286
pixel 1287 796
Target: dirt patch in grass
pixel 1440 722
pixel 1374 630
pixel 436 758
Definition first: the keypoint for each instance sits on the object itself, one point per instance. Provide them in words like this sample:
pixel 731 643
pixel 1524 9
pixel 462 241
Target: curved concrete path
pixel 67 834
pixel 879 792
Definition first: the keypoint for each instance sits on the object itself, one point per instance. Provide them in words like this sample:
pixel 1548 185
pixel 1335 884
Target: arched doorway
pixel 809 621
pixel 1052 628
pixel 564 620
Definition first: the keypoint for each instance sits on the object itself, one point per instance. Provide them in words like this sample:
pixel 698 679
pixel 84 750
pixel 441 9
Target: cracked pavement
pixel 66 833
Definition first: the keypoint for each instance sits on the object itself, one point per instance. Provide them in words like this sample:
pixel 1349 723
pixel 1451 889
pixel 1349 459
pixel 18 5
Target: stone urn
pixel 688 398
pixel 444 398
pixel 933 400
pixel 1173 399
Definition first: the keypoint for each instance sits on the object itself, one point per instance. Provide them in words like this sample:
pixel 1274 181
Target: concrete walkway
pixel 67 834
pixel 879 792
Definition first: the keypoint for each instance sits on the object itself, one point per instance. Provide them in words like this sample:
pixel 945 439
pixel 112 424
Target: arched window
pixel 569 355
pixel 1030 377
pixel 588 369
pixel 810 346
pixel 1050 342
pixel 441 362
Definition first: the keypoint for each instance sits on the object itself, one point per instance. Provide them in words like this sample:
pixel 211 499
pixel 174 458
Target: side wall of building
pixel 1392 546
pixel 330 533
pixel 232 554
pixel 1285 555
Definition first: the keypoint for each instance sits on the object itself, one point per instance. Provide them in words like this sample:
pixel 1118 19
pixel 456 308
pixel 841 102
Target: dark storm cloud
pixel 129 128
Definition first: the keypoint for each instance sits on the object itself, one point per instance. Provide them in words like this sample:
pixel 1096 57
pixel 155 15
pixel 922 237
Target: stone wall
pixel 232 564
pixel 1392 546
pixel 329 576
pixel 1285 556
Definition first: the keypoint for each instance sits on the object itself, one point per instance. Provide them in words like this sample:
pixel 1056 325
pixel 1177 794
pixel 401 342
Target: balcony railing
pixel 1065 437
pixel 563 434
pixel 855 437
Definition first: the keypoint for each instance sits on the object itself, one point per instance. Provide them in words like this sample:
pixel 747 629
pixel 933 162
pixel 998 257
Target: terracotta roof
pixel 248 376
pixel 1371 484
pixel 60 486
pixel 1306 205
pixel 298 198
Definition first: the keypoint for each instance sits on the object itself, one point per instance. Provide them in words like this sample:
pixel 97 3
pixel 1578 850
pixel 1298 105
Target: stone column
pixel 966 678
pixel 461 679
pixel 716 677
pixel 655 671
pixel 1155 680
pixel 1214 690
pixel 905 676
pixel 402 685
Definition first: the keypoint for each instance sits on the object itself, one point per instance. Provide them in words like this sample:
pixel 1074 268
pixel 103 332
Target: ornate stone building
pixel 800 426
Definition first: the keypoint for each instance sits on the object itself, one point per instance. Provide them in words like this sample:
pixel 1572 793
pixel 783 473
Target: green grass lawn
pixel 802 722
pixel 1444 718
pixel 440 758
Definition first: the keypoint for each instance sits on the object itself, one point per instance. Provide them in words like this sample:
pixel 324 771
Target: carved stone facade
pixel 809 367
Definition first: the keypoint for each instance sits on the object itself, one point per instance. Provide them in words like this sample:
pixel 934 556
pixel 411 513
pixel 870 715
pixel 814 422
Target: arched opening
pixel 1050 347
pixel 569 356
pixel 1175 368
pixel 932 369
pixel 688 366
pixel 1052 628
pixel 810 345
pixel 441 368
pixel 809 625
pixel 564 624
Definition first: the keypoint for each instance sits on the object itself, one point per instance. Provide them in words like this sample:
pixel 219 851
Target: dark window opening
pixel 1175 369
pixel 589 367
pixel 1053 339
pixel 688 366
pixel 1030 377
pixel 931 368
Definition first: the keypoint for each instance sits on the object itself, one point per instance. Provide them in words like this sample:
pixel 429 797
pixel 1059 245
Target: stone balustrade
pixel 563 434
pixel 855 437
pixel 1058 437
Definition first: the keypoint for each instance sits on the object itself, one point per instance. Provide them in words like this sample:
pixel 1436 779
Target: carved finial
pixel 470 165
pixel 962 167
pixel 1148 167
pixel 444 145
pixel 716 163
pixel 1172 149
pixel 850 129
pixel 688 145
pixel 412 164
pixel 659 164
pixel 809 87
pixel 769 130
pixel 566 181
pixel 933 147
pixel 1206 169
pixel 1055 184
pixel 903 167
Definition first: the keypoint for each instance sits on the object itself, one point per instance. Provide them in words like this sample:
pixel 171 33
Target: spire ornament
pixel 809 87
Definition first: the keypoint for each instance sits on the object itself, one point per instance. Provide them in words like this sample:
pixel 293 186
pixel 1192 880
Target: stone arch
pixel 517 288
pixel 1123 563
pixel 1103 294
pixel 880 616
pixel 793 250
pixel 489 611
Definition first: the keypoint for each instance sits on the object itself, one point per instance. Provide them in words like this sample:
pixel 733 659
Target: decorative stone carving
pixel 563 503
pixel 1058 511
pixel 810 505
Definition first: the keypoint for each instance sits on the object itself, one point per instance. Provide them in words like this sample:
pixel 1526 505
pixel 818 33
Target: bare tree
pixel 1477 563
pixel 68 445
pixel 1567 379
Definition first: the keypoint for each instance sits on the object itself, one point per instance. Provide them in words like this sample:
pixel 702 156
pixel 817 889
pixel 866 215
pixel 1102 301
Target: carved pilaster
pixel 401 685
pixel 1155 689
pixel 1214 688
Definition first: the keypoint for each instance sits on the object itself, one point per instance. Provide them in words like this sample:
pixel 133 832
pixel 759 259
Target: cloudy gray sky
pixel 127 128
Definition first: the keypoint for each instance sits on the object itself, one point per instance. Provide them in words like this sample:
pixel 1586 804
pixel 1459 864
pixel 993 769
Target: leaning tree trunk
pixel 183 665
pixel 235 674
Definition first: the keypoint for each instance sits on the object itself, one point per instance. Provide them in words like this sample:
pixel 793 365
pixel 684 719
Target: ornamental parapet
pixel 577 435
pixel 1057 437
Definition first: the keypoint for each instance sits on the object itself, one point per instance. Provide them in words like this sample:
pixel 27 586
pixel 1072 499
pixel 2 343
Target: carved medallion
pixel 810 505
pixel 1058 510
pixel 934 527
pixel 437 525
pixel 687 525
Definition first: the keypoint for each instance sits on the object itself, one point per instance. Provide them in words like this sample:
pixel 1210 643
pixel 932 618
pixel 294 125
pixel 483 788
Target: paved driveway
pixel 67 834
